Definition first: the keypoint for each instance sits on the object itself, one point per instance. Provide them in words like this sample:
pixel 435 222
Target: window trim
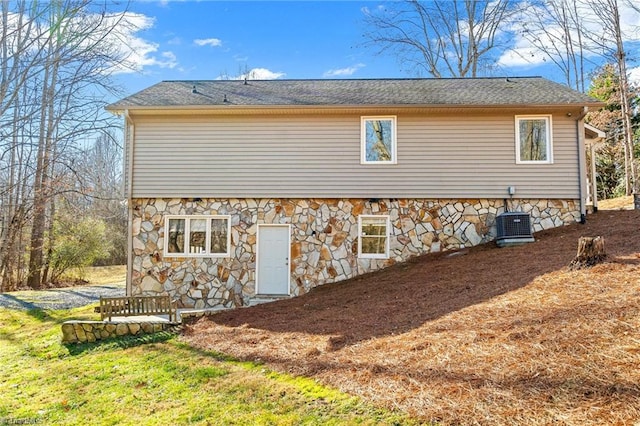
pixel 384 255
pixel 187 231
pixel 549 124
pixel 363 138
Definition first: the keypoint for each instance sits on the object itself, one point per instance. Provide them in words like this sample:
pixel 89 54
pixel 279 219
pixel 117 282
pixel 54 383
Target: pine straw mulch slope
pixel 486 336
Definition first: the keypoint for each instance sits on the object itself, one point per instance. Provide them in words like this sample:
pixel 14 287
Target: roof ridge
pixel 358 79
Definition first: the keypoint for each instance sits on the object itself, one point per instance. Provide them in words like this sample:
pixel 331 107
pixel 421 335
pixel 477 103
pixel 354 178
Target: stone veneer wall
pixel 324 238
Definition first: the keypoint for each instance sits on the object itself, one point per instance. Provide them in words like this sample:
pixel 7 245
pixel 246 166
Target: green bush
pixel 77 244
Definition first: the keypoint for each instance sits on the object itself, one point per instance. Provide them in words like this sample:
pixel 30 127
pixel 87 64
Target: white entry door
pixel 273 260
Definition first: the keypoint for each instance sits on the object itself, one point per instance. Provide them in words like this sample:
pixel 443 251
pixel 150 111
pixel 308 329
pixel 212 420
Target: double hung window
pixel 197 236
pixel 533 139
pixel 378 140
pixel 373 237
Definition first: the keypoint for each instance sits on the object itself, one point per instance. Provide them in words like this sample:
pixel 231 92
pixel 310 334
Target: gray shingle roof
pixel 510 91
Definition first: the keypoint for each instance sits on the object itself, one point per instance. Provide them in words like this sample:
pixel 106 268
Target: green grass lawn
pixel 152 380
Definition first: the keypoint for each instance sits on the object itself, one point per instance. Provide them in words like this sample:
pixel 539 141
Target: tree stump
pixel 590 252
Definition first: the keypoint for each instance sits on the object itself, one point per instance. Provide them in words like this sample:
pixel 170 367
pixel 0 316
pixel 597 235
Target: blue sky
pixel 190 40
pixel 207 40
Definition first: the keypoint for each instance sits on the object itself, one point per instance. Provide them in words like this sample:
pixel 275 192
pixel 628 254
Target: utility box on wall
pixel 513 228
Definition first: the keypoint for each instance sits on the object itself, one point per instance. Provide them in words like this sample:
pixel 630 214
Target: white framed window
pixel 534 139
pixel 373 236
pixel 197 236
pixel 378 140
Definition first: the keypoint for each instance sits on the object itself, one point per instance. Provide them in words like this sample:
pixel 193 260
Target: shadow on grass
pixel 9 337
pixel 42 316
pixel 119 343
pixel 217 356
pixel 55 316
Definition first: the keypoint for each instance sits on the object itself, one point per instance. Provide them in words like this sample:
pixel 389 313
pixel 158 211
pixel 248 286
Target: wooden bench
pixel 129 306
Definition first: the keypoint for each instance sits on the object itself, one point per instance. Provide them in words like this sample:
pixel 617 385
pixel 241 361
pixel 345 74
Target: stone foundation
pixel 91 331
pixel 324 240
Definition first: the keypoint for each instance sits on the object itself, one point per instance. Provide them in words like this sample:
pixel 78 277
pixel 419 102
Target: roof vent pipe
pixel 194 90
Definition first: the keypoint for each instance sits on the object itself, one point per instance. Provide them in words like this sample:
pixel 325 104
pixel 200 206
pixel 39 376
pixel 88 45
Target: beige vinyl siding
pixel 439 156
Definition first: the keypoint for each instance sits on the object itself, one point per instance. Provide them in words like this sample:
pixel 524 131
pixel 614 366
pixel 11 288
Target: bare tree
pixel 100 174
pixel 556 29
pixel 611 43
pixel 444 38
pixel 57 59
pixel 21 47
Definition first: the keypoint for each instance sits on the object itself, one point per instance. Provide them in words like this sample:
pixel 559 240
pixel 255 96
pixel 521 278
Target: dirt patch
pixel 480 336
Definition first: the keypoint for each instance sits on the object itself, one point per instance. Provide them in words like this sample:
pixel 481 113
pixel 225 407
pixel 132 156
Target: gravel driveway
pixel 60 298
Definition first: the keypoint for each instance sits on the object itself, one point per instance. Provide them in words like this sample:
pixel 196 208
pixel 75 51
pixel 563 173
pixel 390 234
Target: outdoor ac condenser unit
pixel 513 228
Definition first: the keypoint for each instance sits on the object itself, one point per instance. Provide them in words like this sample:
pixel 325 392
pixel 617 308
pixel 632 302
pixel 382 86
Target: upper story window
pixel 203 236
pixel 378 140
pixel 533 139
pixel 373 237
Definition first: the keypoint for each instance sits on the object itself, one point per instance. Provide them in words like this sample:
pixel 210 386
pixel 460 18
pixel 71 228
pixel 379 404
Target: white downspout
pixel 594 183
pixel 129 140
pixel 582 165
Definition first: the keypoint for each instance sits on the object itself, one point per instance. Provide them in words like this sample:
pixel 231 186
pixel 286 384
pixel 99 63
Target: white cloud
pixel 378 9
pixel 169 60
pixel 523 54
pixel 115 34
pixel 634 76
pixel 260 74
pixel 341 72
pixel 137 53
pixel 213 42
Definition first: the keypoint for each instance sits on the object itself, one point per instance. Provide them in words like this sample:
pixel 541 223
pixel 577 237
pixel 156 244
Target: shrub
pixel 77 244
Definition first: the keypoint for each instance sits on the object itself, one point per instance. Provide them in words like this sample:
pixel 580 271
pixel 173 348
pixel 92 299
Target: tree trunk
pixel 45 165
pixel 45 267
pixel 39 203
pixel 590 252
